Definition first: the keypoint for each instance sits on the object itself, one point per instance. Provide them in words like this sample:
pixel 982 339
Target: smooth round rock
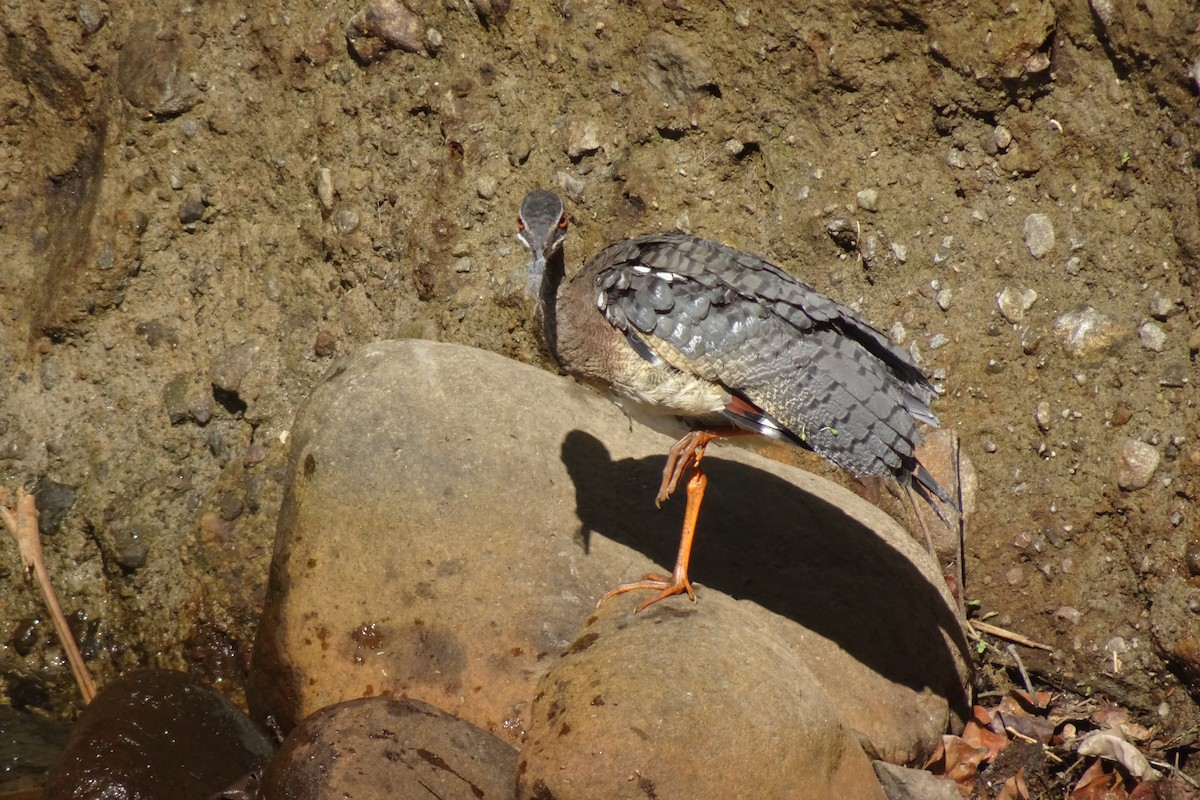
pixel 382 748
pixel 156 735
pixel 738 714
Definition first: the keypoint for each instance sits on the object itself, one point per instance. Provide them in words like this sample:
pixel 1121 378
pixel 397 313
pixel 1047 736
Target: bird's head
pixel 541 227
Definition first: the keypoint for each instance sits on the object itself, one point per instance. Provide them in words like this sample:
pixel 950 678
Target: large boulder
pixel 452 517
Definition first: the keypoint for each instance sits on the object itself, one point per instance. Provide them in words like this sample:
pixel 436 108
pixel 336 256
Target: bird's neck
pixel 547 303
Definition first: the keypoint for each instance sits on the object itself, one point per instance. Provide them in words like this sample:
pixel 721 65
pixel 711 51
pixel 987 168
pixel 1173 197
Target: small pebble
pixel 1152 337
pixel 1043 416
pixel 957 158
pixel 462 265
pixel 1163 308
pixel 844 232
pixel 347 222
pixel 1069 614
pixel 583 138
pixel 325 188
pixel 1039 235
pixel 868 199
pixel 325 345
pixel 1084 332
pixel 938 340
pixel 1014 576
pixel 486 187
pixel 742 17
pixel 91 17
pixel 1136 463
pixel 191 210
pixel 900 252
pixel 943 298
pixel 1014 304
pixel 1001 137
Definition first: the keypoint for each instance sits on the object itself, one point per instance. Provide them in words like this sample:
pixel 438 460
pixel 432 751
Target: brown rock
pixel 156 734
pixel 737 698
pixel 381 748
pixel 153 70
pixel 679 74
pixel 452 517
pixel 384 25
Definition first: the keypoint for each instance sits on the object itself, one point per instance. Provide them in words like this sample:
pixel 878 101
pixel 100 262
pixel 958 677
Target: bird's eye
pixel 562 222
pixel 520 224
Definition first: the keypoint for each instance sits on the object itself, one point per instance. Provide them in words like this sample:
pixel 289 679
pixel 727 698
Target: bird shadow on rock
pixel 763 539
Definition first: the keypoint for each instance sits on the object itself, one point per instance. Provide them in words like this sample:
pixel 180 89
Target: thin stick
pixel 22 523
pixel 1012 651
pixel 1003 633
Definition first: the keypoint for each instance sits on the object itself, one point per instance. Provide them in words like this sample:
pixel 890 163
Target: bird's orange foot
pixel 667 586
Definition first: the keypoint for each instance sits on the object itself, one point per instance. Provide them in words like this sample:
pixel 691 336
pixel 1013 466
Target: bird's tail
pixel 928 488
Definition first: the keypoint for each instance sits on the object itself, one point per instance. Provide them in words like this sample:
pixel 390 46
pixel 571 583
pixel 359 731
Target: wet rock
pixel 1038 233
pixel 381 748
pixel 1087 333
pixel 904 783
pixel 54 501
pixel 1013 304
pixel 129 548
pixel 153 70
pixel 1152 337
pixel 1136 463
pixel 468 511
pixel 29 744
pixel 383 25
pixel 579 744
pixel 679 74
pixel 155 734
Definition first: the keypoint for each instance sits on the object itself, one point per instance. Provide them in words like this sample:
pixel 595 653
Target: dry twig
pixel 22 523
pixel 1004 633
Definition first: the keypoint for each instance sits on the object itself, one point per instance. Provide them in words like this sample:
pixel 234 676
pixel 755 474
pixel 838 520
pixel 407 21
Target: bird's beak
pixel 537 269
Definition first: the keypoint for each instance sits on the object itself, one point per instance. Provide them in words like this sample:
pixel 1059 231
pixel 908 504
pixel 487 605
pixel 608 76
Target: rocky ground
pixel 202 204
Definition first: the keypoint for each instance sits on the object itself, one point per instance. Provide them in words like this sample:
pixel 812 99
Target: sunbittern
pixel 673 325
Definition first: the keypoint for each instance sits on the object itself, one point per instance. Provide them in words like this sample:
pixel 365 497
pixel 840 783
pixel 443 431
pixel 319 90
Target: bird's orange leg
pixel 677 582
pixel 685 453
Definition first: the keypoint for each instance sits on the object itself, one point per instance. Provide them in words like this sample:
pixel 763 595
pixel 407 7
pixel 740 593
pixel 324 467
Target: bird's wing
pixel 837 384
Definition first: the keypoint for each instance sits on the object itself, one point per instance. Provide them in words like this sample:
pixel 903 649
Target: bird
pixel 671 325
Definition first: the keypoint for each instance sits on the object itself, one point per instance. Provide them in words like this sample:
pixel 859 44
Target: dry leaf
pixel 1014 788
pixel 1099 783
pixel 979 737
pixel 1114 748
pixel 957 760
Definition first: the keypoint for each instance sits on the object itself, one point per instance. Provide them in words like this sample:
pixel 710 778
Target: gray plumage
pixel 690 327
